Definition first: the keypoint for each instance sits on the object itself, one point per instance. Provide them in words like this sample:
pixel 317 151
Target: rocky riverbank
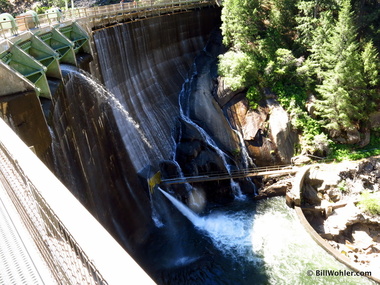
pixel 340 202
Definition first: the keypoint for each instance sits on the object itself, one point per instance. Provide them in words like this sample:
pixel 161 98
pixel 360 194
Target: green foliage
pixel 340 152
pixel 370 202
pixel 239 69
pixel 368 19
pixel 342 186
pixel 282 22
pixel 41 10
pixel 295 48
pixel 241 22
pixel 371 65
pixel 290 95
pixel 283 68
pixel 236 152
pixel 254 97
pixel 5 6
pixel 345 97
pixel 314 18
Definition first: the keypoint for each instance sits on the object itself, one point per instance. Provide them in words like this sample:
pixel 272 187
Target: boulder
pixel 361 236
pixel 310 106
pixel 301 159
pixel 206 112
pixel 169 169
pixel 253 123
pixel 353 136
pixel 334 195
pixel 280 188
pixel 223 93
pixel 374 120
pixel 310 195
pixel 281 131
pixel 189 149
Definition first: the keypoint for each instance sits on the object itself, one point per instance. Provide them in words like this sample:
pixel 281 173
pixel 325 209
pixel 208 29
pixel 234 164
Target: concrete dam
pixel 110 117
pixel 109 140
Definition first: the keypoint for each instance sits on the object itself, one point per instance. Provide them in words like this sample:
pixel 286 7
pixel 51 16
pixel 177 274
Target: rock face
pixel 274 187
pixel 374 119
pixel 204 141
pixel 200 104
pixel 224 94
pixel 330 203
pixel 267 131
pixel 281 132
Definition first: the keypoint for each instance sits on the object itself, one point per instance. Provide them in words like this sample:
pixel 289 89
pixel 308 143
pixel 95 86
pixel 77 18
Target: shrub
pixel 254 97
pixel 342 186
pixel 239 69
pixel 370 202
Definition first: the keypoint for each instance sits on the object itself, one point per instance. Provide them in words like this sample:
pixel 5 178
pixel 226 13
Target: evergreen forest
pixel 18 6
pixel 320 58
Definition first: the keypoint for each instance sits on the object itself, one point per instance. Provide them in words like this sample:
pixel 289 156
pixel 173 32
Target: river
pixel 246 242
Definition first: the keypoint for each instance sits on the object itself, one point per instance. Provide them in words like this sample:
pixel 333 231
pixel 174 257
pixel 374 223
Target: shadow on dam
pixel 138 108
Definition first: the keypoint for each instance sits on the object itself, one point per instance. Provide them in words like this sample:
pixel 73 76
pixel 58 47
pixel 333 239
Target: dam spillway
pixel 98 155
pixel 128 129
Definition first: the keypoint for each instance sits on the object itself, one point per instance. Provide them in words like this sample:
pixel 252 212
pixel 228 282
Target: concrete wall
pixel 144 65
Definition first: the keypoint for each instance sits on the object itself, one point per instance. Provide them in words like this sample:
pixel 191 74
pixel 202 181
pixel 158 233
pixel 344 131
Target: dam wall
pixel 107 140
pixel 155 56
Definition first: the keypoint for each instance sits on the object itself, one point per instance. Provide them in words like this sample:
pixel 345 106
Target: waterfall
pixel 109 97
pixel 248 162
pixel 145 68
pixel 184 115
pixel 188 213
pixel 237 190
pixel 227 232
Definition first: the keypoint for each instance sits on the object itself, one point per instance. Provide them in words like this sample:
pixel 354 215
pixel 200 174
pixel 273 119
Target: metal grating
pixel 65 258
pixel 16 266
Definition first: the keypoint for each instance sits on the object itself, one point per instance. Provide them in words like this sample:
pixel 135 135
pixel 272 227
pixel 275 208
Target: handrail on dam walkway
pixel 33 46
pixel 99 15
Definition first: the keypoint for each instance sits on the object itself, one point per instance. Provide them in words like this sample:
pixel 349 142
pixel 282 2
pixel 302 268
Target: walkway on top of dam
pixel 20 263
pixel 98 16
pixel 241 173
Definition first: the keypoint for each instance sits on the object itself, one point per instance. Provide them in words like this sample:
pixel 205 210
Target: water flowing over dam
pixel 145 105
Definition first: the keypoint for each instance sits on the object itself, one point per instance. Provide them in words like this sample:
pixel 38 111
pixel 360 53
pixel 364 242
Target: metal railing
pixel 67 261
pixel 102 15
pixel 234 174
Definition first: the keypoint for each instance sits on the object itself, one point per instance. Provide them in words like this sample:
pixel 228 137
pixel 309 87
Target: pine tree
pixel 318 62
pixel 348 78
pixel 241 22
pixel 368 19
pixel 312 15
